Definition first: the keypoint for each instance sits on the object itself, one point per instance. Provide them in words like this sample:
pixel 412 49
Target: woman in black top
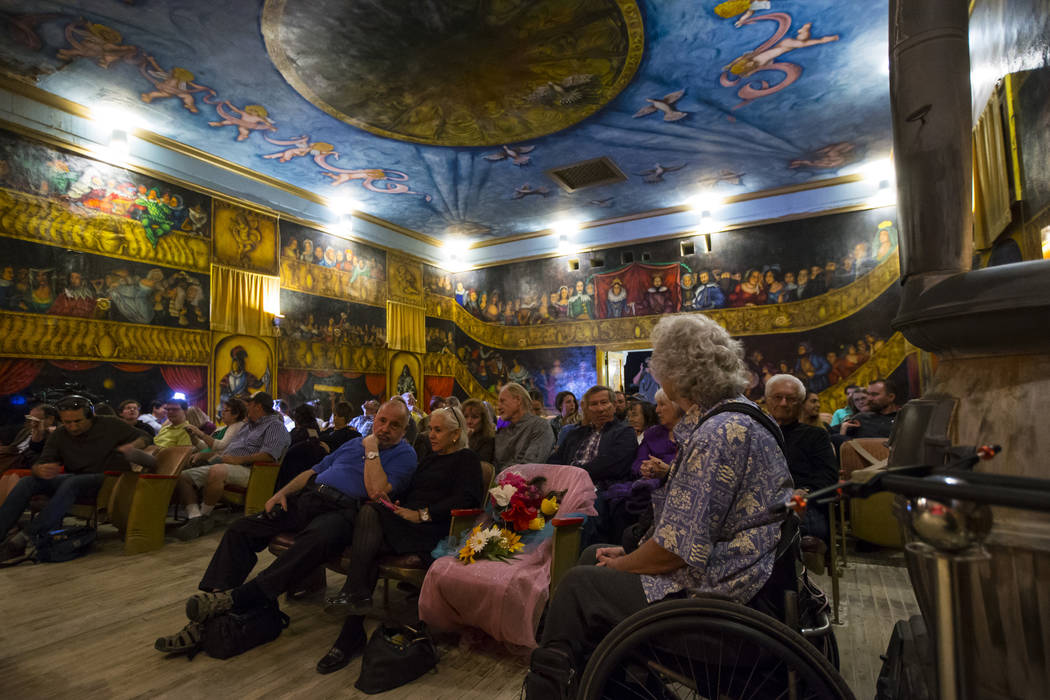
pixel 448 478
pixel 481 433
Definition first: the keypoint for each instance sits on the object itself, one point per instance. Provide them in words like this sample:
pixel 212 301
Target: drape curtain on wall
pixel 406 327
pixel 375 383
pixel 243 302
pixel 437 386
pixel 289 381
pixel 991 191
pixel 189 380
pixel 16 375
pixel 128 367
pixel 75 365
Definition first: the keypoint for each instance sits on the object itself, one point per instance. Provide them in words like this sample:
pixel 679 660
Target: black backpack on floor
pixel 65 544
pixel 232 633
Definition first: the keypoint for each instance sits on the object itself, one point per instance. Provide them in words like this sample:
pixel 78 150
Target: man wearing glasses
pixel 85 446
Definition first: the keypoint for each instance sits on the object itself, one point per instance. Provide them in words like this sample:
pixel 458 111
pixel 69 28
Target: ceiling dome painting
pixel 454 73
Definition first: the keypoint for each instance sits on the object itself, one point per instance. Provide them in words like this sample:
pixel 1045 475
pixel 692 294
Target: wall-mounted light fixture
pixel 565 230
pixel 343 207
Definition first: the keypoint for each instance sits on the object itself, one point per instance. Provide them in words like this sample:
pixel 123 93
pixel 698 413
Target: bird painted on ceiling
pixel 526 190
pixel 656 173
pixel 567 91
pixel 727 176
pixel 515 154
pixel 664 105
pixel 607 202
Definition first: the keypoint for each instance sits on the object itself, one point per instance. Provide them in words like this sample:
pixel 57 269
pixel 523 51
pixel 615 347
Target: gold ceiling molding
pixel 48 99
pixel 38 219
pixel 881 364
pixel 792 317
pixel 334 284
pixel 447 365
pixel 66 338
pixel 745 197
pixel 294 353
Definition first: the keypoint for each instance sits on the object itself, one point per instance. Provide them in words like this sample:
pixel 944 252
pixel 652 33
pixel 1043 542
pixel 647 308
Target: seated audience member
pixel 199 419
pixel 285 413
pixel 620 401
pixel 849 410
pixel 233 414
pixel 156 416
pixel 104 409
pixel 811 415
pixel 340 432
pixel 86 446
pixel 412 430
pixel 641 415
pixel 601 444
pixel 422 442
pixel 449 477
pixel 712 532
pixel 481 433
pixel 810 456
pixel 320 510
pixel 568 414
pixel 537 402
pixel 174 433
pixel 305 449
pixel 525 438
pixel 626 502
pixel 263 438
pixel 877 420
pixel 410 401
pixel 26 445
pixel 363 423
pixel 128 411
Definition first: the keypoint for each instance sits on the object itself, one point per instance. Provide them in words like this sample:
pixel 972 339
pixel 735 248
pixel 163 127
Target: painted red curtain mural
pixel 128 367
pixel 289 381
pixel 16 375
pixel 188 380
pixel 641 290
pixel 376 384
pixel 437 386
pixel 75 365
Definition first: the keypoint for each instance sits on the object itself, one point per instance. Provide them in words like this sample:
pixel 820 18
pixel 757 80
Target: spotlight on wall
pixel 565 230
pixel 118 143
pixel 343 206
pixel 178 396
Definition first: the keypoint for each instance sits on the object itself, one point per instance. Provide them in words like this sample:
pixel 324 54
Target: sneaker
pixel 191 529
pixel 204 606
pixel 185 640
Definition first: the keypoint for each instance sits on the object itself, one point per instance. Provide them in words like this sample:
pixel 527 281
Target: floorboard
pixel 85 629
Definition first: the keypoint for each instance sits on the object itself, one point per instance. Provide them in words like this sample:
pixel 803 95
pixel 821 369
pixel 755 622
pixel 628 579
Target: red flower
pixel 518 514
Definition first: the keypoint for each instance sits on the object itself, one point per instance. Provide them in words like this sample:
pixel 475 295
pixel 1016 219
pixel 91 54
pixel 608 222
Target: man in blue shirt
pixel 319 510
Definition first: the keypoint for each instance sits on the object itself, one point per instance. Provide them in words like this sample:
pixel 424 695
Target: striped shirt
pixel 264 435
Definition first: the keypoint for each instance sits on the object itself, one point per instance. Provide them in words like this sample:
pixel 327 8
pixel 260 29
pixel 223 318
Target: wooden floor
pixel 85 629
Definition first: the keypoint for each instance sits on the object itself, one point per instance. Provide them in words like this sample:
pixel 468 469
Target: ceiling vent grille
pixel 588 173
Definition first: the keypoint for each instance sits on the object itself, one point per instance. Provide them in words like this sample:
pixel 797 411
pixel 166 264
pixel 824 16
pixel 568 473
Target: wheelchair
pixel 709 647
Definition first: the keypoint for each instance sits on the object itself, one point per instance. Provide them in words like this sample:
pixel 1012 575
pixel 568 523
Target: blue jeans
pixel 63 490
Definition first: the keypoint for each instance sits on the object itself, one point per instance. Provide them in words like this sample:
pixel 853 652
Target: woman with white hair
pixel 712 532
pixel 447 479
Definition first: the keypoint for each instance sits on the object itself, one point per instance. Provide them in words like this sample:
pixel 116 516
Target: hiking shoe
pixel 184 641
pixel 204 606
pixel 191 529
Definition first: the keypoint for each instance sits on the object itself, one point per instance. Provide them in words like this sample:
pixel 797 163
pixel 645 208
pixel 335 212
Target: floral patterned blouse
pixel 713 510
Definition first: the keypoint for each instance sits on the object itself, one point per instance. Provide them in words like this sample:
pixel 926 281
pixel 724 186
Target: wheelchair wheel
pixel 708 648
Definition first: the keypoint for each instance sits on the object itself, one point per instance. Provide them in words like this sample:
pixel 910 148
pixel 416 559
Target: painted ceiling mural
pixel 441 117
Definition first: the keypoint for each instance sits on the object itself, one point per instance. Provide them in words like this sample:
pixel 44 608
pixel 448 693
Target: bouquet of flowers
pixel 495 543
pixel 522 504
pixel 519 506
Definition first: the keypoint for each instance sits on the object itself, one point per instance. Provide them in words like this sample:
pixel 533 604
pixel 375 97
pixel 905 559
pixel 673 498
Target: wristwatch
pixel 372 455
pixel 424 515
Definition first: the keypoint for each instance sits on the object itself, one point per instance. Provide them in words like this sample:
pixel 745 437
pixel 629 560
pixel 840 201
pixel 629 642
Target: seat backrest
pixel 488 472
pixel 862 453
pixel 171 460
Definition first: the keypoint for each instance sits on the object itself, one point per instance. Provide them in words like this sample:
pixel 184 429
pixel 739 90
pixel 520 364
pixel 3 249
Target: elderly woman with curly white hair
pixel 712 533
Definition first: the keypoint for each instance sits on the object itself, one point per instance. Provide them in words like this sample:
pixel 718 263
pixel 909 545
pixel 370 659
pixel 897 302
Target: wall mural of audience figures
pixel 823 357
pixel 49 280
pixel 441 335
pixel 319 263
pixel 318 331
pixel 91 188
pixel 749 267
pixel 549 371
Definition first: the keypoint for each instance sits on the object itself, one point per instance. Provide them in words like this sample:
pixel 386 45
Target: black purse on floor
pixel 395 655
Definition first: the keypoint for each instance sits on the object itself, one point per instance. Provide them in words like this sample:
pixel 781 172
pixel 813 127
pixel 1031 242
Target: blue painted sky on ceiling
pixel 773 94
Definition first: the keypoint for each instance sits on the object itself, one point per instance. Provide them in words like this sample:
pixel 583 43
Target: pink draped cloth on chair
pixel 504 599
